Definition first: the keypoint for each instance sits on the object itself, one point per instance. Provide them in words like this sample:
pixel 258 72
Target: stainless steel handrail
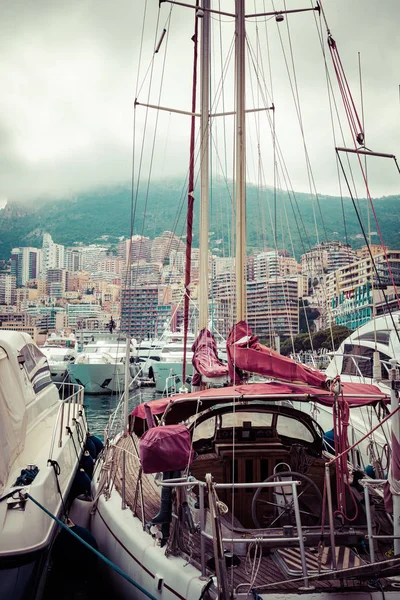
pixel 249 537
pixel 75 399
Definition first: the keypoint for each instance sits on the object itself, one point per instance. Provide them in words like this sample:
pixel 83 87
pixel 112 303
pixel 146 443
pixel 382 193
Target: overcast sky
pixel 68 76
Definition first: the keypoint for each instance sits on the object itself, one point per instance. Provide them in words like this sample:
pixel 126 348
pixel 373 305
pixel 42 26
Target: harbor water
pixel 99 407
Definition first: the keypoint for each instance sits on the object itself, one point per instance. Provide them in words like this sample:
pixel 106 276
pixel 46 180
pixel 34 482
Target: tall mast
pixel 240 171
pixel 204 165
pixel 189 228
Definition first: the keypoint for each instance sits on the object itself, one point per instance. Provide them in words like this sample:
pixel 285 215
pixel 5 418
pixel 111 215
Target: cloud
pixel 69 75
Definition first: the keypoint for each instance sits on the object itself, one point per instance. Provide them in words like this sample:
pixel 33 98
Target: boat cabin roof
pixel 181 407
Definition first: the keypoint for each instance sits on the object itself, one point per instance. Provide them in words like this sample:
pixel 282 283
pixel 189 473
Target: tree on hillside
pixel 325 338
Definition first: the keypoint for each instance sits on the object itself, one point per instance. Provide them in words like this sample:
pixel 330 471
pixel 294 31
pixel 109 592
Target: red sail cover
pixel 247 354
pixel 205 358
pixel 167 448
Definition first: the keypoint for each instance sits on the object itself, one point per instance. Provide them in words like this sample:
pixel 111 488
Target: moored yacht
pixel 41 439
pixel 100 368
pixel 167 369
pixel 365 357
pixel 60 352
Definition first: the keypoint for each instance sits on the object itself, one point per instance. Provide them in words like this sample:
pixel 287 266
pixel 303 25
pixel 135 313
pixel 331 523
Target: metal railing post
pixel 123 503
pixel 300 534
pixel 330 513
pixel 202 528
pixel 61 426
pixel 369 524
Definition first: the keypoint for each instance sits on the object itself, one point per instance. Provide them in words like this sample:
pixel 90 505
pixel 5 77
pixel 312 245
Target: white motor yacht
pixel 148 352
pixel 100 368
pixel 41 440
pixel 167 369
pixel 60 352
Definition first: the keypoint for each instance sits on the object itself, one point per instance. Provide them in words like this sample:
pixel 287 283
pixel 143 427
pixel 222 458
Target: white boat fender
pixel 80 510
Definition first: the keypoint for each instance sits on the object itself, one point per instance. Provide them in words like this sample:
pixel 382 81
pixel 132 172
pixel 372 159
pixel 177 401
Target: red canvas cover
pixel 245 353
pixel 165 448
pixel 179 407
pixel 205 358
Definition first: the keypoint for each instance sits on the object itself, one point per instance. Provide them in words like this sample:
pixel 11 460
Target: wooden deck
pixel 269 573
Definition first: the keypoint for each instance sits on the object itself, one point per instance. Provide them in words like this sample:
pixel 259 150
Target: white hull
pixel 59 373
pixel 98 378
pixel 121 539
pixel 162 371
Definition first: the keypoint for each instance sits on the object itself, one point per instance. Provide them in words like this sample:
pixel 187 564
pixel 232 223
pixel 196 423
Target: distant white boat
pixel 167 369
pixel 100 368
pixel 148 353
pixel 60 352
pixel 33 434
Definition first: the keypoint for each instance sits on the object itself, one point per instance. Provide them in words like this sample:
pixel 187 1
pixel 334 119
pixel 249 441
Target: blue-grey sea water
pixel 99 407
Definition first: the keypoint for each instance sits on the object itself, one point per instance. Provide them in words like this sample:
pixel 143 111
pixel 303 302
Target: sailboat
pixel 229 493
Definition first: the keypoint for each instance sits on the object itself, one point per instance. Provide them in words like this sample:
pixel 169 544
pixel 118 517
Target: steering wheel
pixel 274 507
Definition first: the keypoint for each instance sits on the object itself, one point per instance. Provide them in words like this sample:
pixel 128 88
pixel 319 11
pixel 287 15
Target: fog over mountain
pixel 104 217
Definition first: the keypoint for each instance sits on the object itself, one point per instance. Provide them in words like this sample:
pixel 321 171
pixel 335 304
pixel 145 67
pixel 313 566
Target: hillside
pixel 105 215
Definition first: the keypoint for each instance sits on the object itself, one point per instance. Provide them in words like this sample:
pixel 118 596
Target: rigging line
pixel 302 129
pixel 151 61
pixel 332 98
pixel 330 95
pixel 296 98
pixel 134 196
pixel 377 225
pixel 287 176
pixel 269 60
pixel 223 90
pixel 363 129
pixel 370 252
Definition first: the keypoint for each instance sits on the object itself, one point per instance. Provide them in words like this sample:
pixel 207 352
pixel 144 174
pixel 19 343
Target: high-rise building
pixel 163 246
pixel 53 254
pixel 91 255
pixel 139 311
pixel 56 282
pixel 73 260
pixel 80 314
pixel 353 291
pixel 7 288
pixel 25 264
pixel 273 307
pixel 325 258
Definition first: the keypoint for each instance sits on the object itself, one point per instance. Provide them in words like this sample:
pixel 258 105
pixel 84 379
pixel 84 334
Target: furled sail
pixel 205 358
pixel 245 353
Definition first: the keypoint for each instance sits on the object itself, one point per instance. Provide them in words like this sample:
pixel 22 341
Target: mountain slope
pixel 90 217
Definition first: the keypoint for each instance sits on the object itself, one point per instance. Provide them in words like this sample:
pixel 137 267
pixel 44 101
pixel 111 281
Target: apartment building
pixel 354 290
pixel 139 311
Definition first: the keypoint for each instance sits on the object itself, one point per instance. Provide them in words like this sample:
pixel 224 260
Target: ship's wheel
pixel 274 507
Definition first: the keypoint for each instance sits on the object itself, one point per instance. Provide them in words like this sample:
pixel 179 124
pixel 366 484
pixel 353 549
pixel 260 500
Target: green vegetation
pixel 104 216
pixel 325 338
